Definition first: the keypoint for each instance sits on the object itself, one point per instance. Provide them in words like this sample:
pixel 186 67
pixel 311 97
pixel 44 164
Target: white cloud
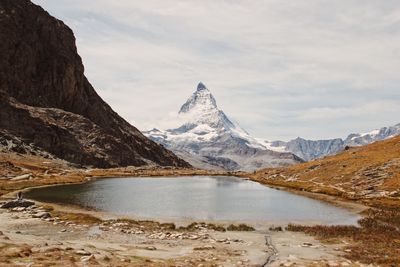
pixel 333 114
pixel 281 69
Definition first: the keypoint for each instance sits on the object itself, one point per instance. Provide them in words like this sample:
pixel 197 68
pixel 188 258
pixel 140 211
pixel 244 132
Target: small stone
pixel 42 215
pixel 22 177
pixel 63 230
pixel 19 209
pixel 151 248
pixel 83 253
pixel 333 263
pixel 87 258
pixel 206 247
pixel 292 257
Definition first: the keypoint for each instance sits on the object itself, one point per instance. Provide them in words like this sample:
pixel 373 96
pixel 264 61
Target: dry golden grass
pixel 376 240
pixel 78 218
pixel 195 225
pixel 240 227
pixel 369 174
pixel 371 168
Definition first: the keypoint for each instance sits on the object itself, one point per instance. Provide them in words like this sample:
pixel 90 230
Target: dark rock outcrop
pixel 18 203
pixel 46 101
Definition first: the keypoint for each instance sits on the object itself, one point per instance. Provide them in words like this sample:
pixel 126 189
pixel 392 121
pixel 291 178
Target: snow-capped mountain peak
pixel 201 109
pixel 201 99
pixel 201 87
pixel 207 138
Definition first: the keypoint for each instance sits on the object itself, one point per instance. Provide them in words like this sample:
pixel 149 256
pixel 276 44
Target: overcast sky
pixel 281 69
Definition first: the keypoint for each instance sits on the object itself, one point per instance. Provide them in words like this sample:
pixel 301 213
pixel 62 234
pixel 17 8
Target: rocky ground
pixel 42 236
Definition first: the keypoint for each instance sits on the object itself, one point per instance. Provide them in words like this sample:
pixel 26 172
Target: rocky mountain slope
pixel 366 172
pixel 313 149
pixel 47 104
pixel 207 138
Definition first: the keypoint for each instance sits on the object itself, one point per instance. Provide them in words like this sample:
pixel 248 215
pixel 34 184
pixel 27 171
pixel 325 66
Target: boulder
pixel 17 203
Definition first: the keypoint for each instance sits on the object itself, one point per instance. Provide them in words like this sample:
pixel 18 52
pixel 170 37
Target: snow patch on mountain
pixel 313 149
pixel 207 138
pixel 203 135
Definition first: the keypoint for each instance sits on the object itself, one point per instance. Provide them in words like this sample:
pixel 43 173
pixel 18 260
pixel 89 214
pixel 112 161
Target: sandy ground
pixel 28 241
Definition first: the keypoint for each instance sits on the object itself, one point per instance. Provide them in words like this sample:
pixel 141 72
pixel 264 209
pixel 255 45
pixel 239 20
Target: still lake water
pixel 194 198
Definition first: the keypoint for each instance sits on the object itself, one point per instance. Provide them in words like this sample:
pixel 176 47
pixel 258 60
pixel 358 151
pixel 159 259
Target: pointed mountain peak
pixel 201 99
pixel 201 87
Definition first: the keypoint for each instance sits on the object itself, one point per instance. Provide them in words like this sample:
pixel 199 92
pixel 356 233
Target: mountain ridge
pixel 314 149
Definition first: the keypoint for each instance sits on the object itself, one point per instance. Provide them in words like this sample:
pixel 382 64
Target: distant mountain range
pixel 313 149
pixel 207 138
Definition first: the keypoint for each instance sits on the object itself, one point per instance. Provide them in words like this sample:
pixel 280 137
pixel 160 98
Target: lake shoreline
pixel 254 193
pixel 292 247
pixel 229 248
pixel 351 205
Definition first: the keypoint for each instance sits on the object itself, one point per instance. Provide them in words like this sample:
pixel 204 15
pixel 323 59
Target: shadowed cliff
pixel 46 100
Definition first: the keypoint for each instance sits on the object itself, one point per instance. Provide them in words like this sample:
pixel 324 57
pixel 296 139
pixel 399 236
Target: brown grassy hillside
pixel 368 172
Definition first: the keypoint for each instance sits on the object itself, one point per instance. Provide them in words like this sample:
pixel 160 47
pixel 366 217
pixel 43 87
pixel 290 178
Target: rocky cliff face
pixel 47 102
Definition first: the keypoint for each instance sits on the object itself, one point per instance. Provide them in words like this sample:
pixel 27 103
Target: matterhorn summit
pixel 207 138
pixel 201 100
pixel 201 109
